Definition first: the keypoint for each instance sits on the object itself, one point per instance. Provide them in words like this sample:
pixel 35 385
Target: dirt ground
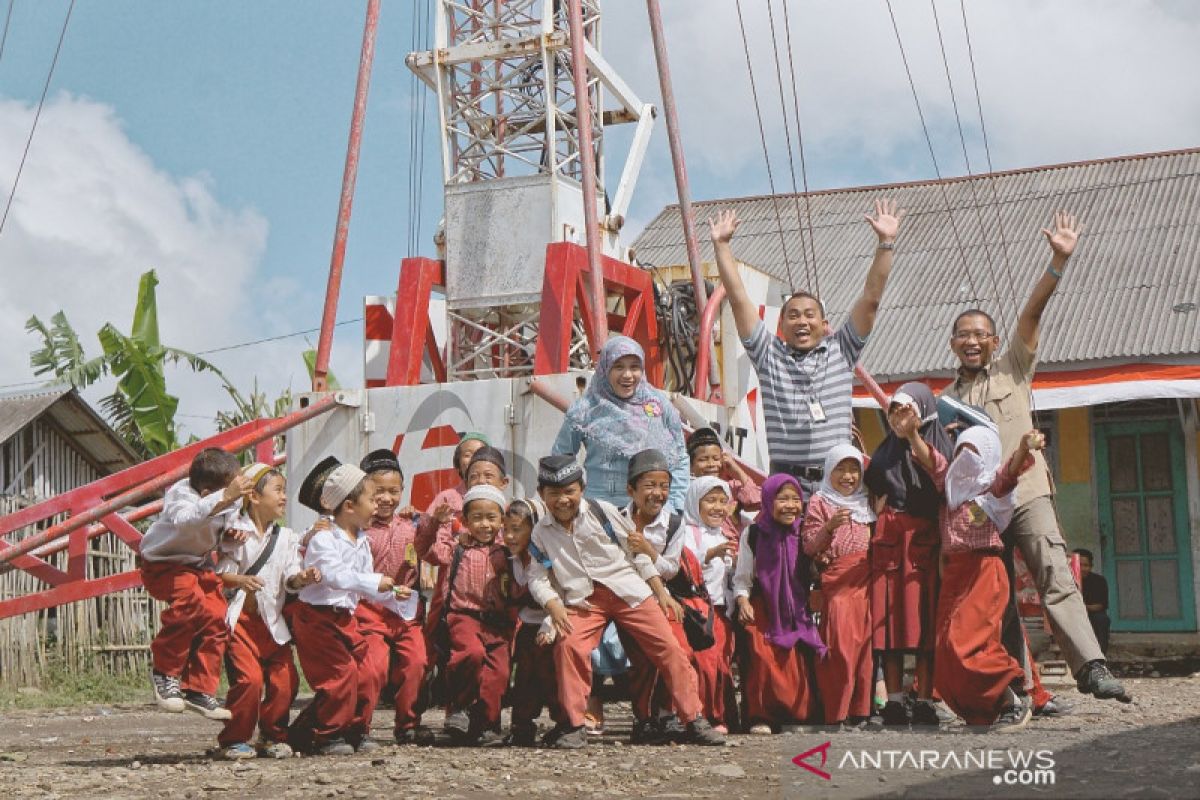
pixel 1148 749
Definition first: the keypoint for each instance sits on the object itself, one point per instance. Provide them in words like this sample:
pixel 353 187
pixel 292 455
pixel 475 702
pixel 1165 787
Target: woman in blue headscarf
pixel 619 415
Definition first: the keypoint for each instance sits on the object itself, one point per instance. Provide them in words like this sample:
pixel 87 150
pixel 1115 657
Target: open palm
pixel 886 222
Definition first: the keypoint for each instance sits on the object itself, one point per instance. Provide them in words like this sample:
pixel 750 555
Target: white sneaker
pixel 760 730
pixel 274 750
pixel 206 705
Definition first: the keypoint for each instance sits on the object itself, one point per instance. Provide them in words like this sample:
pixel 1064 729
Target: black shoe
pixel 488 738
pixel 924 713
pixel 672 730
pixel 1014 717
pixel 1094 678
pixel 366 745
pixel 646 731
pixel 522 734
pixel 205 704
pixel 700 731
pixel 1054 707
pixel 551 736
pixel 895 714
pixel 571 739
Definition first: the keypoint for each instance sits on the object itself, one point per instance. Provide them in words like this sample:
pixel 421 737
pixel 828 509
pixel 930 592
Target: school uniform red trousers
pixel 971 668
pixel 193 633
pixel 535 686
pixel 477 670
pixel 396 656
pixel 777 684
pixel 332 654
pixel 262 683
pixel 645 624
pixel 904 589
pixel 845 676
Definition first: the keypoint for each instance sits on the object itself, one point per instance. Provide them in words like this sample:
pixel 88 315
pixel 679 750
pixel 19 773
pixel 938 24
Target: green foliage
pixel 140 409
pixel 310 361
pixel 64 687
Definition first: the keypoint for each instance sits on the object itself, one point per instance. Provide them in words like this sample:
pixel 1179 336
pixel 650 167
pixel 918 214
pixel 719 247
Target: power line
pixel 240 345
pixel 933 157
pixel 4 36
pixel 787 133
pixel 37 114
pixel 812 236
pixel 763 138
pixel 987 150
pixel 987 252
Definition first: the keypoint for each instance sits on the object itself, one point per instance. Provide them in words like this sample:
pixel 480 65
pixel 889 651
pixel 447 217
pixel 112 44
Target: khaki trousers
pixel 1034 529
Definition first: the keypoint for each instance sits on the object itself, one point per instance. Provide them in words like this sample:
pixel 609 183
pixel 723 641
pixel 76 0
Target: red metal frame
pixel 564 287
pixel 345 204
pixel 708 320
pixel 412 330
pixel 96 508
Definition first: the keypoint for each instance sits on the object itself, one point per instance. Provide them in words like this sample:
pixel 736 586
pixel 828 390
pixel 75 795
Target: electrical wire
pixel 787 134
pixel 933 156
pixel 766 156
pixel 37 114
pixel 4 35
pixel 812 235
pixel 987 252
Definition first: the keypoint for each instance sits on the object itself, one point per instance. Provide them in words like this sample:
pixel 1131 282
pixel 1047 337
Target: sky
pixel 206 140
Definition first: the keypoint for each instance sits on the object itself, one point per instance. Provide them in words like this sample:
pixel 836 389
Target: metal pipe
pixel 587 163
pixel 126 499
pixel 349 176
pixel 676 143
pixel 703 352
pixel 552 397
pixel 871 386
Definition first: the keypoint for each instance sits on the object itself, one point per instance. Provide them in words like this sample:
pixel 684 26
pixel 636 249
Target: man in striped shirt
pixel 806 374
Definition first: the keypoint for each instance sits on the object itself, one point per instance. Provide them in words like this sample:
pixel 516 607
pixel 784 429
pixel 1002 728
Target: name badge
pixel 815 411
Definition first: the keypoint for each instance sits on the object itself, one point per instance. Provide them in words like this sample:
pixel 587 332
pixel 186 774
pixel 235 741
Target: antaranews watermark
pixel 1012 767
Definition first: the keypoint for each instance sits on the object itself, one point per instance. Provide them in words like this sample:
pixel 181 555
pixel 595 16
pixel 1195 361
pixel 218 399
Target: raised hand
pixel 239 487
pixel 886 222
pixel 841 517
pixel 721 229
pixel 1034 440
pixel 443 513
pixel 1065 235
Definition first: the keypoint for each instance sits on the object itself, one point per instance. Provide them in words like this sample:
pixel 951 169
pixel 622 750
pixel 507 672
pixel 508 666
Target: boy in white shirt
pixel 259 572
pixel 331 648
pixel 177 568
pixel 598 581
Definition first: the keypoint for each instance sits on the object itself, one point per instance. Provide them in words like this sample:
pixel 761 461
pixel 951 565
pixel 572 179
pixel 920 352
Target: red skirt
pixel 714 673
pixel 777 685
pixel 845 674
pixel 971 668
pixel 904 588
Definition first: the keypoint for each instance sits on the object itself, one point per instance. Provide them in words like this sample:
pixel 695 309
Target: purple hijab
pixel 781 570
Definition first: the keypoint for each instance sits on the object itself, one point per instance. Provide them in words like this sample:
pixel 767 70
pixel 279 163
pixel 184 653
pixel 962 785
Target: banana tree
pixel 140 409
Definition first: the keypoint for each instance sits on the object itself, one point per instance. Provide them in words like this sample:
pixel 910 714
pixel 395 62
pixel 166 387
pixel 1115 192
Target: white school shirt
pixel 237 557
pixel 347 571
pixel 667 560
pixel 743 574
pixel 700 541
pixel 584 556
pixel 188 529
pixel 527 614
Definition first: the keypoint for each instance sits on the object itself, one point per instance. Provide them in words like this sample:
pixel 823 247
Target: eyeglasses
pixel 966 336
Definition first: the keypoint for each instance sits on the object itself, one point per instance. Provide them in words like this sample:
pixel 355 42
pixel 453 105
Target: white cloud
pixel 1062 81
pixel 93 212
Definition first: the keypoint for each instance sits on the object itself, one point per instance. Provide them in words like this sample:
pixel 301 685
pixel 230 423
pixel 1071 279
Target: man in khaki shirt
pixel 1001 386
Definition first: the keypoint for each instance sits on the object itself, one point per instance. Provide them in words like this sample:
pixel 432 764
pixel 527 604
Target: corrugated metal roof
pixel 1138 260
pixel 78 421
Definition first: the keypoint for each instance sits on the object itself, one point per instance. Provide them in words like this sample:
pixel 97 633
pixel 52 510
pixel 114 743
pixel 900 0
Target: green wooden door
pixel 1144 523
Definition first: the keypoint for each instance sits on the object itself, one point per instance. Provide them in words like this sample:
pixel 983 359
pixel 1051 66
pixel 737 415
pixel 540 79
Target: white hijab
pixel 971 475
pixel 858 503
pixel 697 490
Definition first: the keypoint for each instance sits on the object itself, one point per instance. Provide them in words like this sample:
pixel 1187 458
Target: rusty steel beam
pixel 337 260
pixel 164 479
pixel 587 162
